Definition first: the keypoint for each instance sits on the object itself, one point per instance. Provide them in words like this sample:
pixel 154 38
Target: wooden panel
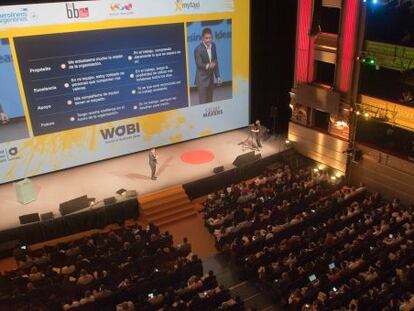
pixel 324 56
pixel 318 146
pixel 404 114
pixel 387 174
pixel 332 3
pixel 326 41
pixel 319 98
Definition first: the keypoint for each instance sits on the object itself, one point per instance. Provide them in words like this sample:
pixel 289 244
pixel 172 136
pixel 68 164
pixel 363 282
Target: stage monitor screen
pixel 86 81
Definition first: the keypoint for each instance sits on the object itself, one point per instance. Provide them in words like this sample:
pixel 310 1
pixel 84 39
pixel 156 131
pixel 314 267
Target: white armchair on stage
pixel 24 191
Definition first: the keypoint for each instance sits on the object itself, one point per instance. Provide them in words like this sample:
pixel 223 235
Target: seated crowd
pixel 316 244
pixel 132 268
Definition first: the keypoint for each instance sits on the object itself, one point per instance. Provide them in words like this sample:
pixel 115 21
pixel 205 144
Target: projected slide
pixel 12 120
pixel 91 77
pixel 87 81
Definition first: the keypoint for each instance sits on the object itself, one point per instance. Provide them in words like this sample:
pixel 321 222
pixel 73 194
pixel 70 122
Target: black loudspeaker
pixel 27 219
pixel 109 201
pixel 218 169
pixel 316 18
pixel 46 216
pixel 245 158
pixel 121 191
pixel 74 205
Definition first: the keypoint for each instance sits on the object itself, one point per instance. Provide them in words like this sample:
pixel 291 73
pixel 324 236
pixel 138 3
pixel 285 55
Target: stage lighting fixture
pixel 92 201
pixel 374 1
pixel 369 61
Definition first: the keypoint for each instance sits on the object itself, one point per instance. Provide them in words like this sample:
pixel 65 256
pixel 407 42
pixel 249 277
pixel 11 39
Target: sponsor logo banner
pixel 92 11
pixel 121 8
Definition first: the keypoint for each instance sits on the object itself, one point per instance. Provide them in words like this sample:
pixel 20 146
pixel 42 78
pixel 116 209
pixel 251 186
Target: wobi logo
pixel 181 5
pixel 212 111
pixel 121 9
pixel 73 12
pixel 120 131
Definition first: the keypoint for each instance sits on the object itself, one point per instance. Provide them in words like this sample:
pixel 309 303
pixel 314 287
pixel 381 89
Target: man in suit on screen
pixel 205 55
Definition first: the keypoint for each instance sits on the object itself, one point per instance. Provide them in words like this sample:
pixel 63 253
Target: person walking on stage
pixel 153 160
pixel 257 132
pixel 205 55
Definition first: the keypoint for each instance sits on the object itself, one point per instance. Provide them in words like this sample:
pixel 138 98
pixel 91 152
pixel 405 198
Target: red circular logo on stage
pixel 197 156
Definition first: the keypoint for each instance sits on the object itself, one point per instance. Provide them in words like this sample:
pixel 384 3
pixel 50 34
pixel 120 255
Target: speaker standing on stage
pixel 257 129
pixel 153 160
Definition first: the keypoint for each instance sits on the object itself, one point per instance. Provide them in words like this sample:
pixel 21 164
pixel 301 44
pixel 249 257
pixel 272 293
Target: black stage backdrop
pixel 272 46
pixel 272 52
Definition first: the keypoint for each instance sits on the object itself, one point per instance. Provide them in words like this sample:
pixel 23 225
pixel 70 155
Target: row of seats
pixel 316 244
pixel 132 268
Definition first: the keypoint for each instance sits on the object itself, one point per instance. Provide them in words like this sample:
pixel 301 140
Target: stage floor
pixel 102 179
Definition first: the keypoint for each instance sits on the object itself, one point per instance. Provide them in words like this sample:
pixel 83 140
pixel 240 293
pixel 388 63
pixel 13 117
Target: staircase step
pixel 170 213
pixel 160 194
pixel 169 206
pixel 175 219
pixel 163 201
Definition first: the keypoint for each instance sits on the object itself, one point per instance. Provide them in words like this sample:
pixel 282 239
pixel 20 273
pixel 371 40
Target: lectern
pixel 24 191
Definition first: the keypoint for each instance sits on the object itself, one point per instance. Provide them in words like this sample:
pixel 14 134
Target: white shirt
pixel 208 47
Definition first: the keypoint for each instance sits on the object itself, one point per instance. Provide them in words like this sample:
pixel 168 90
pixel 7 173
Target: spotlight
pixel 316 170
pixel 333 177
pixel 358 113
pixel 366 115
pixel 287 141
pixel 374 1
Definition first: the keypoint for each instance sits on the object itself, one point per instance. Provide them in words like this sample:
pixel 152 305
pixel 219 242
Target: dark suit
pixel 257 134
pixel 152 163
pixel 205 77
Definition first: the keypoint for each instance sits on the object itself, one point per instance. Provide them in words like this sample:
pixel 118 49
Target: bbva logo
pixel 120 131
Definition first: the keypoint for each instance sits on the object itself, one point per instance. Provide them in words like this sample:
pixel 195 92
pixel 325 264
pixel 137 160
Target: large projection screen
pixel 86 81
